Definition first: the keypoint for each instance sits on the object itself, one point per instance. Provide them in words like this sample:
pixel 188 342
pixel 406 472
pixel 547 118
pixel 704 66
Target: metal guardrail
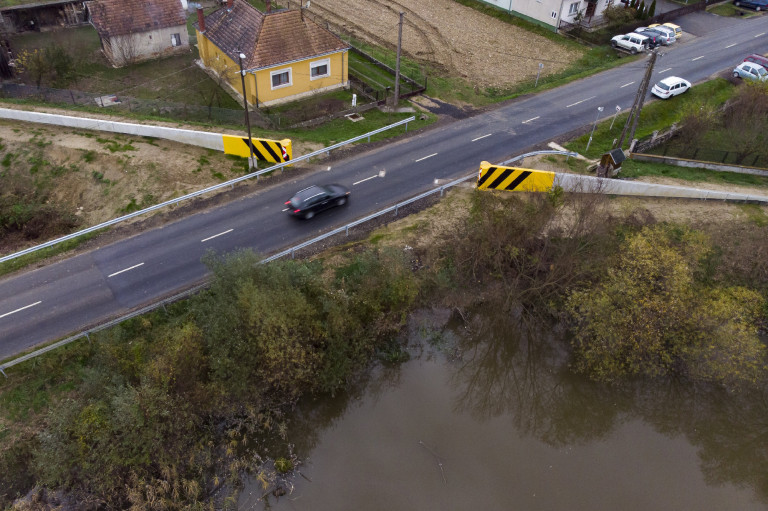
pixel 291 251
pixel 213 188
pixel 189 292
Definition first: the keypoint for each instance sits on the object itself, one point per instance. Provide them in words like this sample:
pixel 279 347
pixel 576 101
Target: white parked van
pixel 631 42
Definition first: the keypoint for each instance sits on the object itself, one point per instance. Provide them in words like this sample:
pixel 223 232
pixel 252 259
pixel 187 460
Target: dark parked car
pixel 316 198
pixel 758 5
pixel 655 38
pixel 757 59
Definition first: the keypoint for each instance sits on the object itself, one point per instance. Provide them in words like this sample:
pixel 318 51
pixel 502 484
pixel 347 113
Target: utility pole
pixel 637 105
pixel 396 98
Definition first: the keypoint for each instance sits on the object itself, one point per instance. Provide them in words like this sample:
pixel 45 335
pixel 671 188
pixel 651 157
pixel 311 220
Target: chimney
pixel 269 5
pixel 200 19
pixel 229 4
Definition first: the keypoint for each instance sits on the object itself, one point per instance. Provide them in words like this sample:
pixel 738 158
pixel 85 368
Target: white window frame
pixel 279 72
pixel 175 40
pixel 320 63
pixel 553 14
pixel 573 9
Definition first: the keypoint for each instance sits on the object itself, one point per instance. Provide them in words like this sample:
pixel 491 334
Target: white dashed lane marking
pixel 216 235
pixel 20 309
pixel 480 138
pixel 430 156
pixel 125 270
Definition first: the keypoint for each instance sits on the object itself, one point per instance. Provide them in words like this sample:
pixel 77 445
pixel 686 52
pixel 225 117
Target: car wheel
pixel 737 4
pixel 633 51
pixel 757 9
pixel 341 201
pixel 613 44
pixel 735 75
pixel 308 215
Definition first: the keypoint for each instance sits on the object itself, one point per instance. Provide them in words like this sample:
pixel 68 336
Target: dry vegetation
pixel 457 39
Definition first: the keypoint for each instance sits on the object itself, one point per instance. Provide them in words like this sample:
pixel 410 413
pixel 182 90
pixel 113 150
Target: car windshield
pixel 305 195
pixel 662 86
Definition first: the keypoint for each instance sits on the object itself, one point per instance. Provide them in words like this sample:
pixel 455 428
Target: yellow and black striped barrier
pixel 277 151
pixel 514 179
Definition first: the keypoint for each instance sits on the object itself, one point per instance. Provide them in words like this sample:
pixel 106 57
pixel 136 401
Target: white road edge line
pixel 582 101
pixel 531 119
pixel 479 138
pixel 216 235
pixel 366 179
pixel 761 33
pixel 121 271
pixel 430 156
pixel 626 85
pixel 665 70
pixel 20 309
pixel 697 58
pixel 731 45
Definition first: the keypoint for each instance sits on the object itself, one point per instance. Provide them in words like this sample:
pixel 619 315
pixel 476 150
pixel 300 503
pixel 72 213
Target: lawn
pixel 656 115
pixel 174 79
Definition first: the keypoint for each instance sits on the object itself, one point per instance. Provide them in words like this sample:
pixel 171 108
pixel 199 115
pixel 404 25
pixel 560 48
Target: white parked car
pixel 631 42
pixel 750 71
pixel 670 86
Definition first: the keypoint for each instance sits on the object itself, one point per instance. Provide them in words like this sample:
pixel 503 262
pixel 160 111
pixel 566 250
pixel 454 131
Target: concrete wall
pixel 198 138
pixel 535 11
pixel 588 184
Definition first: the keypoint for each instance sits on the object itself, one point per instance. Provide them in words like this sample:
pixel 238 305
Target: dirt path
pixel 457 39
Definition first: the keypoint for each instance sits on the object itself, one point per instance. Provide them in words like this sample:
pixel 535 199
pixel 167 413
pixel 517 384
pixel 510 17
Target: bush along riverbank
pixel 170 410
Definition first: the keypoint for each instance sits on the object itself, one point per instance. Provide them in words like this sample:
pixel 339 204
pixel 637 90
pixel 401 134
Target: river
pixel 486 415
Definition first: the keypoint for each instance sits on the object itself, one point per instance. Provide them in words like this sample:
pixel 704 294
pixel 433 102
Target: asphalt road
pixel 59 299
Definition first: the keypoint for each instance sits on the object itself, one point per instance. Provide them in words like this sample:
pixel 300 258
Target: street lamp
pixel 240 58
pixel 599 109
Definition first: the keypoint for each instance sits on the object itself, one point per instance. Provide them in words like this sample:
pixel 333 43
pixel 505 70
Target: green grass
pixel 728 9
pixel 656 115
pixel 34 257
pixel 632 168
pixel 756 214
pixel 173 79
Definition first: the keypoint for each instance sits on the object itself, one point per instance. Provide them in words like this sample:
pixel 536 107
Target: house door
pixel 591 6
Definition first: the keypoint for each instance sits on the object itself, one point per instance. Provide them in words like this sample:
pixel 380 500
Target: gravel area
pixel 460 40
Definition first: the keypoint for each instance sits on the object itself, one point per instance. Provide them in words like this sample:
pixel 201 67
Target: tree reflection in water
pixel 517 365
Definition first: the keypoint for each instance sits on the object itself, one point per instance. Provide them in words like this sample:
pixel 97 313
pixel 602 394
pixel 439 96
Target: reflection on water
pixel 487 416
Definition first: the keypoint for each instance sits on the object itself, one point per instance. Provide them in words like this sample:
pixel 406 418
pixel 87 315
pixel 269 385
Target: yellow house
pixel 287 56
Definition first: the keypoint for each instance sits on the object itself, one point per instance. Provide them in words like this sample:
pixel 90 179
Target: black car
pixel 654 37
pixel 316 198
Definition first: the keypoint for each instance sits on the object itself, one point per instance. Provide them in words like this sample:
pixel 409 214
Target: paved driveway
pixel 702 22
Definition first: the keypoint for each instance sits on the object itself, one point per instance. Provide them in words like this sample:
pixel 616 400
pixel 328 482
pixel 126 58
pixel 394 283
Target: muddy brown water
pixel 486 415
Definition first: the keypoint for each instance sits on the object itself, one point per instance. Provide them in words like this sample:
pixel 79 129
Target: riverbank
pixel 93 422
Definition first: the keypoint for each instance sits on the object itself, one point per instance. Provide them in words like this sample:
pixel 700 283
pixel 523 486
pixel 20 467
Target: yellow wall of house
pixel 215 59
pixel 261 80
pixel 301 80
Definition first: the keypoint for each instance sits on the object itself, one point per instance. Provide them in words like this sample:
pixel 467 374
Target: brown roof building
pixel 287 39
pixel 135 30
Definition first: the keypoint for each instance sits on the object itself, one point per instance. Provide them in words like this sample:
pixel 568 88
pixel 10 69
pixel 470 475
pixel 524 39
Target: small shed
pixel 610 163
pixel 136 30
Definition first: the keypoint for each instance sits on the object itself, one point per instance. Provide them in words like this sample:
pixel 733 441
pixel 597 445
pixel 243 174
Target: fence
pixel 189 292
pixel 180 111
pixel 663 144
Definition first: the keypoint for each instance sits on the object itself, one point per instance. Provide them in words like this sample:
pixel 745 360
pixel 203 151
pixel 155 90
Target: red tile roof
pixel 268 39
pixel 120 17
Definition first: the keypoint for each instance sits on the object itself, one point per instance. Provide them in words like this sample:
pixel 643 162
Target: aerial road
pixel 58 299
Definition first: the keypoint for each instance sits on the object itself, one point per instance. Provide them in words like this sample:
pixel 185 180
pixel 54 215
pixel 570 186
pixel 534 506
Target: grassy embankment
pixel 657 116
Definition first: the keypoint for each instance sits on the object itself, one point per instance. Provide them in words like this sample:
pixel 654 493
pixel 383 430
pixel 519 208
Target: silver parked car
pixel 750 71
